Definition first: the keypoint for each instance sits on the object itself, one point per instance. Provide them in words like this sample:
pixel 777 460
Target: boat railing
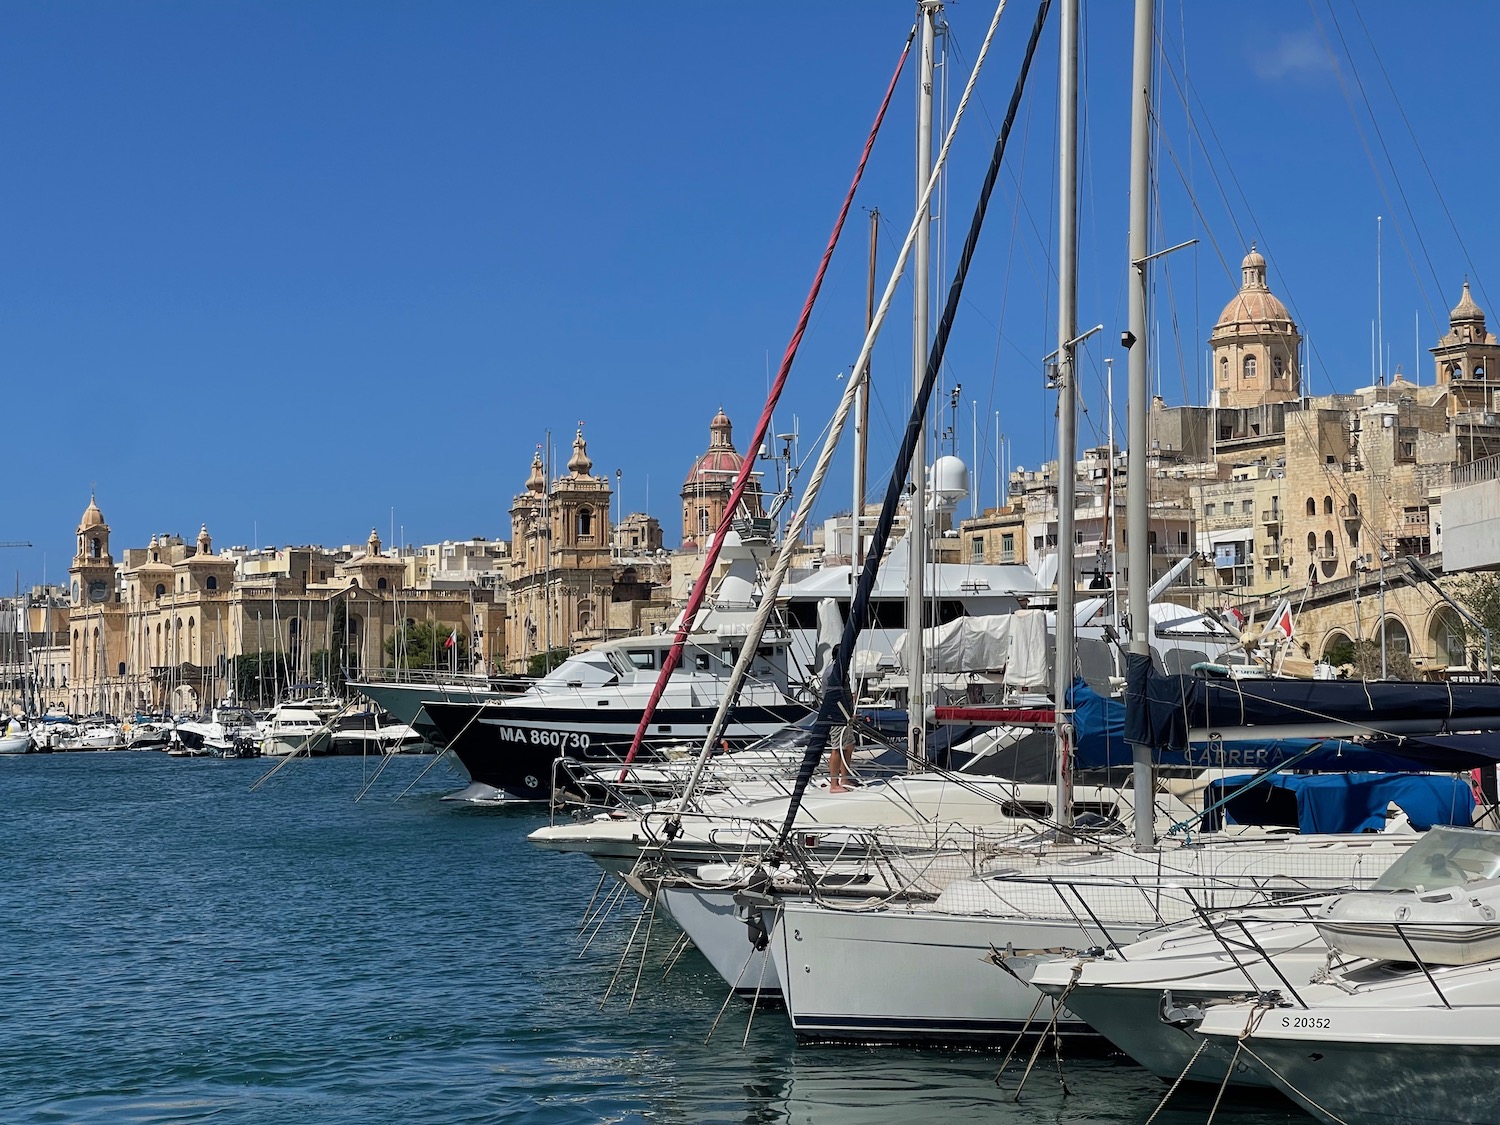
pixel 1408 932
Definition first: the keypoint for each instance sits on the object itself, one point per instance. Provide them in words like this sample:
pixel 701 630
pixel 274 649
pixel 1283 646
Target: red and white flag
pixel 452 639
pixel 1281 621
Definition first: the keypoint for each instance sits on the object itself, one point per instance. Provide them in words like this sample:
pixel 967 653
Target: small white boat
pixel 101 736
pixel 15 740
pixel 1437 904
pixel 294 730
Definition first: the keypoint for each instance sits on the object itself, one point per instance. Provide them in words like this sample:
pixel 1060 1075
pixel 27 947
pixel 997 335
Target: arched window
pixel 1328 505
pixel 1278 368
pixel 585 615
pixel 211 583
pixel 703 528
pixel 122 668
pixel 1328 544
pixel 1224 369
pixel 585 522
pixel 1456 371
pixel 1312 542
pixel 1312 506
pixel 1353 504
pixel 94 548
pixel 381 584
pixel 1249 367
pixel 161 592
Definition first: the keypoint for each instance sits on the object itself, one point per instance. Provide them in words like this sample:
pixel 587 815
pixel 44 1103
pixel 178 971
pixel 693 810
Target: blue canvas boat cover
pixel 1340 802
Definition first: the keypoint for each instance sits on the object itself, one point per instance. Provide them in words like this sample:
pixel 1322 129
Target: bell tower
pixel 1256 345
pixel 1468 357
pixel 93 570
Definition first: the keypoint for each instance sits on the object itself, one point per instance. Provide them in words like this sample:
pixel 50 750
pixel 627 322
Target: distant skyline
pixel 297 270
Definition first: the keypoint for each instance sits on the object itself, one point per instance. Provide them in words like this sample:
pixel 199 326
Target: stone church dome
pixel 1254 303
pixel 1466 309
pixel 720 464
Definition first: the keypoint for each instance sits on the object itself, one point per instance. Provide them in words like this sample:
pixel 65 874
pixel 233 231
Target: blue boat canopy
pixel 1338 802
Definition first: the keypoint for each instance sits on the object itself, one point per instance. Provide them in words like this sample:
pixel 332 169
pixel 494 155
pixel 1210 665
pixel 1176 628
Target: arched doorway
pixel 1446 639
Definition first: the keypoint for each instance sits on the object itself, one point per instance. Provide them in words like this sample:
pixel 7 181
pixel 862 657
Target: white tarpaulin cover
pixel 968 644
pixel 1028 650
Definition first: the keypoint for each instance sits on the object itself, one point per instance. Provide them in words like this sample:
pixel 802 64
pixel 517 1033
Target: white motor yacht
pixel 1408 1036
pixel 291 729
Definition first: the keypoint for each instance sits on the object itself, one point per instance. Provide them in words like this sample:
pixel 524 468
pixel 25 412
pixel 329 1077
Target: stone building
pixel 1256 346
pixel 561 565
pixel 165 629
pixel 705 492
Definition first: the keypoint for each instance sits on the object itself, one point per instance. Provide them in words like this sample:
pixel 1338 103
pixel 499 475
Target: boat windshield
pixel 1444 857
pixel 586 669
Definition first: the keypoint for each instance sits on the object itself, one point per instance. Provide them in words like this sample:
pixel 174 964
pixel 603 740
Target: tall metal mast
pixel 1137 510
pixel 916 538
pixel 862 414
pixel 1067 330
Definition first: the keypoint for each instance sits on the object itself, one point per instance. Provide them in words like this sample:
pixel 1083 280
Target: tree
pixel 424 645
pixel 1339 653
pixel 255 677
pixel 1480 595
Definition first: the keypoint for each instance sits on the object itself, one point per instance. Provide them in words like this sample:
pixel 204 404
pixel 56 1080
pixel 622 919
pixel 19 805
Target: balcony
pixel 1351 513
pixel 1326 554
pixel 1270 551
pixel 1271 517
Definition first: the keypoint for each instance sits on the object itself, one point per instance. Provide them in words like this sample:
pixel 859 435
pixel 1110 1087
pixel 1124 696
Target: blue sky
pixel 297 269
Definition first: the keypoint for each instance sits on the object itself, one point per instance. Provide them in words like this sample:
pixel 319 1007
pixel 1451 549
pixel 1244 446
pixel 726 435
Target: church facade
pixel 162 629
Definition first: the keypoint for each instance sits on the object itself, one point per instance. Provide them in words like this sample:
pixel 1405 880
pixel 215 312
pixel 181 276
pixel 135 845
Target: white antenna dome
pixel 950 480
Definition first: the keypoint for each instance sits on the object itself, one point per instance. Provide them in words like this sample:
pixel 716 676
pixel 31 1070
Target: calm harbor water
pixel 178 948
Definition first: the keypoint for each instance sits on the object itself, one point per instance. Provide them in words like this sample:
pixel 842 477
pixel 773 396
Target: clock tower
pixel 93 570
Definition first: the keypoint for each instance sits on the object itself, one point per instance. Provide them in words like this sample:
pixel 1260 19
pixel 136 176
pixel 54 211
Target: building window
pixel 1008 543
pixel 211 583
pixel 382 583
pixel 703 528
pixel 977 549
pixel 1328 505
pixel 1278 368
pixel 161 589
pixel 1312 542
pixel 1209 510
pixel 1312 506
pixel 1249 367
pixel 585 522
pixel 94 548
pixel 1224 369
pixel 1247 506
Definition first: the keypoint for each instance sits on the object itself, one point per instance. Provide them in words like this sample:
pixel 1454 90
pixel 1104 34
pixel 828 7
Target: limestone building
pixel 705 493
pixel 167 628
pixel 1256 347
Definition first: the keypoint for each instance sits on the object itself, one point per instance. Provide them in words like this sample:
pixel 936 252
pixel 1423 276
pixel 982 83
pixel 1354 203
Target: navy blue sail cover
pixel 1100 741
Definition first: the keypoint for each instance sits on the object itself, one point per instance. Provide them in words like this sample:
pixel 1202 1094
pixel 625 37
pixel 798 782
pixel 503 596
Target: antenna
pixel 1379 319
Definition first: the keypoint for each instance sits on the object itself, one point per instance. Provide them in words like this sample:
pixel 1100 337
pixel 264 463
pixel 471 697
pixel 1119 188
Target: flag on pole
pixel 1281 621
pixel 452 639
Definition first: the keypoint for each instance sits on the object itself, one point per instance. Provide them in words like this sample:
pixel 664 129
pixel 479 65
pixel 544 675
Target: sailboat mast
pixel 1067 439
pixel 916 538
pixel 1138 389
pixel 862 414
